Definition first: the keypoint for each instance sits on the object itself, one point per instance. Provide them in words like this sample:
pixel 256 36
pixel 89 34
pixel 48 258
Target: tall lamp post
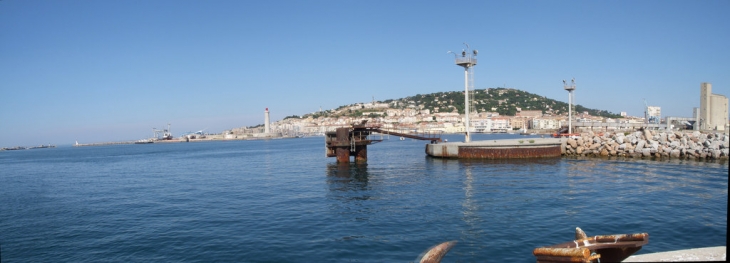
pixel 570 88
pixel 467 60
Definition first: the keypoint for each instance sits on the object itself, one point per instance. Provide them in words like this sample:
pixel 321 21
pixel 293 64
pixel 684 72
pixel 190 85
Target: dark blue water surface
pixel 284 201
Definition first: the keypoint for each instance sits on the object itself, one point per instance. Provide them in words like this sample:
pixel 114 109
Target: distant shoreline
pixel 183 140
pixel 27 148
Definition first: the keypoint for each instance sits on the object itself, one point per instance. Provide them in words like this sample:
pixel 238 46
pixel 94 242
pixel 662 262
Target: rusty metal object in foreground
pixel 564 255
pixel 607 248
pixel 579 234
pixel 436 253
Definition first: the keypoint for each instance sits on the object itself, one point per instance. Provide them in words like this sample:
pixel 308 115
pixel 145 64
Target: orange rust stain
pixel 508 153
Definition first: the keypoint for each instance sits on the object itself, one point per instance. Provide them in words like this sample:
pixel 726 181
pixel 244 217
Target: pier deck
pixel 498 149
pixel 695 254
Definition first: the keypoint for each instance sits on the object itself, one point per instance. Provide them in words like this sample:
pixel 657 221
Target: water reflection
pixel 347 176
pixel 497 191
pixel 350 194
pixel 487 162
pixel 470 213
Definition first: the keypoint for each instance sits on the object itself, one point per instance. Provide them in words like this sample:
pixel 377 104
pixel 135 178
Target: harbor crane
pixel 166 134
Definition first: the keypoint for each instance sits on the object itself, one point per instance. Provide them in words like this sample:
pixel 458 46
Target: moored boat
pixel 143 141
pixel 563 133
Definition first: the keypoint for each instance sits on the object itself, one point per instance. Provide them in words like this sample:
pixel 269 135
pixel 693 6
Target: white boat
pixel 524 132
pixel 143 141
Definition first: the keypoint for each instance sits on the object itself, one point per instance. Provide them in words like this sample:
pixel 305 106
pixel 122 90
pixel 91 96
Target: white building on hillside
pixel 544 124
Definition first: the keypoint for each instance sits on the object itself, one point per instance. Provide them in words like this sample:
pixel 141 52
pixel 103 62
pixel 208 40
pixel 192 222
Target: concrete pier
pixel 685 255
pixel 498 149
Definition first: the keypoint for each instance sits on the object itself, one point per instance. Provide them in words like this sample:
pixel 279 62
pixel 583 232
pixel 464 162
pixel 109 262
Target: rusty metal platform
pixel 353 141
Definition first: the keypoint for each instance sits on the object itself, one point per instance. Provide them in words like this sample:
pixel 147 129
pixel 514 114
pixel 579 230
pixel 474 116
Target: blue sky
pixel 112 70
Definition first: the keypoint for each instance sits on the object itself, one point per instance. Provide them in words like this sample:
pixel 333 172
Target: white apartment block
pixel 542 124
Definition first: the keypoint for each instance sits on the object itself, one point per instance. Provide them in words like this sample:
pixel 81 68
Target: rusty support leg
pixel 343 153
pixel 361 154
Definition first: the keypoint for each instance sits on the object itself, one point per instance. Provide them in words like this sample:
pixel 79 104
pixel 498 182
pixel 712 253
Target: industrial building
pixel 713 113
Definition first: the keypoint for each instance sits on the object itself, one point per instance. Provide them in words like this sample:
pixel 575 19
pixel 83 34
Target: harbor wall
pixel 207 138
pixel 648 143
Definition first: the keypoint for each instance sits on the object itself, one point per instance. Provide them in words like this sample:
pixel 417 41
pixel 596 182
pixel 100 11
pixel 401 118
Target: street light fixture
pixel 570 88
pixel 467 60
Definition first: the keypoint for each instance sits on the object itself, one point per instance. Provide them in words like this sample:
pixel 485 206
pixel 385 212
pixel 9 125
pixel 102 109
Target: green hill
pixel 504 101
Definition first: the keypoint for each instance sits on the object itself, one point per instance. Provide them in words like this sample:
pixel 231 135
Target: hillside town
pixel 423 121
pixel 411 115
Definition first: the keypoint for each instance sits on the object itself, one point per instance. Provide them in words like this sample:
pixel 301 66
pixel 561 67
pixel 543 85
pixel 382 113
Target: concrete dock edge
pixel 686 255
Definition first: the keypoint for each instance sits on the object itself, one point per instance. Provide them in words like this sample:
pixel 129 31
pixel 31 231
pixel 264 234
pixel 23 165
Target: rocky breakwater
pixel 646 143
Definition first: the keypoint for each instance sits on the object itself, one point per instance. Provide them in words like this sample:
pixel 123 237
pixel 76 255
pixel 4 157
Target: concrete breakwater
pixel 647 143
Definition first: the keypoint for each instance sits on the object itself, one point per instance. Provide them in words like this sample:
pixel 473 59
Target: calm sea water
pixel 284 201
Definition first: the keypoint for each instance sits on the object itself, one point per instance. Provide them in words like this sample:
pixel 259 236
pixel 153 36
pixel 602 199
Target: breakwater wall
pixel 101 143
pixel 647 143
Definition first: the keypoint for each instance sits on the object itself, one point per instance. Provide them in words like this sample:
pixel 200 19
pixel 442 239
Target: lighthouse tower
pixel 266 121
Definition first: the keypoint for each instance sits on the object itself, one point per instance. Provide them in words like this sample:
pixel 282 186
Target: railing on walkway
pixel 434 137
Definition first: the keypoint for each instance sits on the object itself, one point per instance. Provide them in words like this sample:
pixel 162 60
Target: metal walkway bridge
pixel 353 141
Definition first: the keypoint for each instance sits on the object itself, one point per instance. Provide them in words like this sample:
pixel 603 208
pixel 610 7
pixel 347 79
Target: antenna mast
pixel 467 60
pixel 570 88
